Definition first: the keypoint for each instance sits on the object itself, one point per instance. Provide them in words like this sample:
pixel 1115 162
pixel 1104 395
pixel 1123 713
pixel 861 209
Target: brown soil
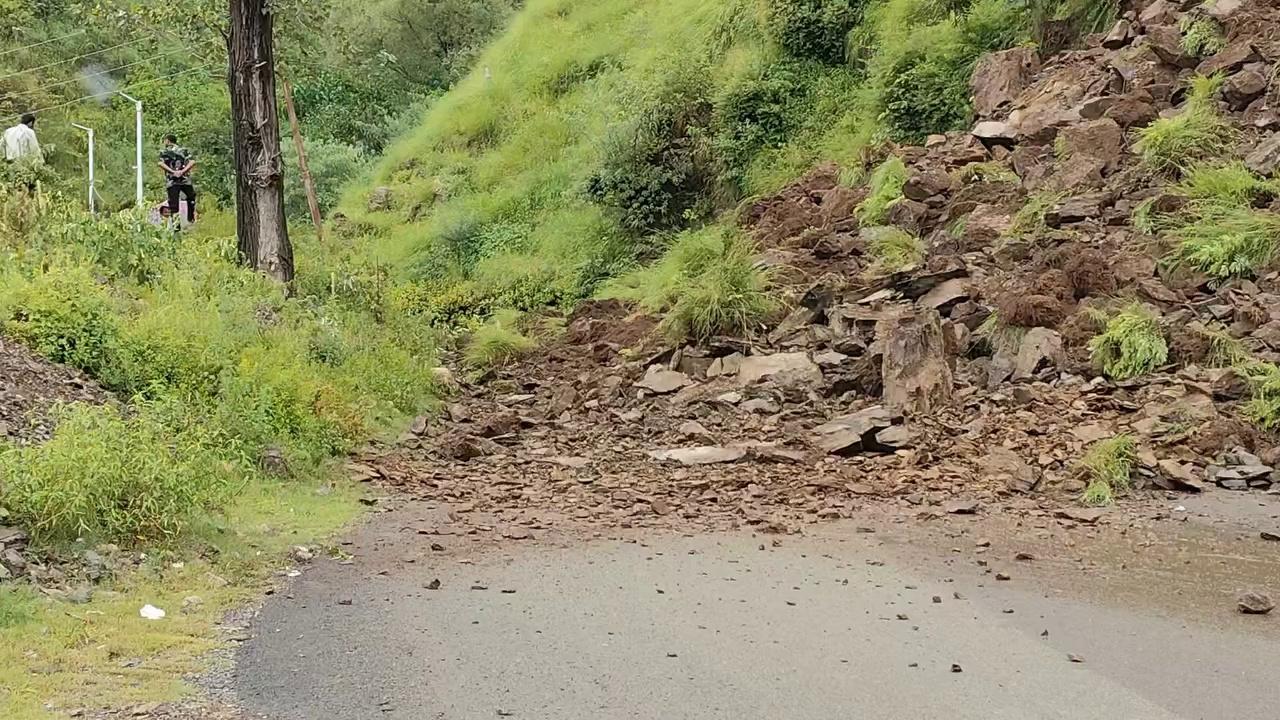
pixel 32 387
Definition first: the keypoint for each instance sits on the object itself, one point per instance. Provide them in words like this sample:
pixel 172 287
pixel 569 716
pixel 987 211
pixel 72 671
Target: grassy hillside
pixel 592 132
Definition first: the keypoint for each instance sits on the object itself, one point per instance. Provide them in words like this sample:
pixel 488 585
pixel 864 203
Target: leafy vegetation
pixel 1109 464
pixel 706 282
pixel 498 342
pixel 893 250
pixel 884 188
pixel 1201 35
pixel 1130 344
pixel 1229 183
pixel 1197 134
pixel 1225 241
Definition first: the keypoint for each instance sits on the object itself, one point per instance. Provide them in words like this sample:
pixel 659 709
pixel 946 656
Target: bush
pixel 814 29
pixel 884 189
pixel 657 170
pixel 1131 344
pixel 760 112
pixel 498 342
pixel 1197 134
pixel 893 250
pixel 927 93
pixel 333 164
pixel 1225 242
pixel 108 478
pixel 1264 405
pixel 1109 465
pixel 63 314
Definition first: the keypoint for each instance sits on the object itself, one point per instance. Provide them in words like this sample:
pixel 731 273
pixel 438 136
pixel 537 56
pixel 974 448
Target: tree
pixel 261 230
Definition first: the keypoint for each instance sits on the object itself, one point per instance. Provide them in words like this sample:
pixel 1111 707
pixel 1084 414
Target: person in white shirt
pixel 21 145
pixel 20 142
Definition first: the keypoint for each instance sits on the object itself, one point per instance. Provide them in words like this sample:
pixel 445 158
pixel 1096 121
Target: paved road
pixel 839 626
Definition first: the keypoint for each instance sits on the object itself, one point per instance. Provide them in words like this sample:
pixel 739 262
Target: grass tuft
pixel 1109 464
pixel 1029 221
pixel 989 171
pixel 1131 344
pixel 1197 134
pixel 498 342
pixel 885 189
pixel 1263 407
pixel 1224 242
pixel 893 250
pixel 1201 36
pixel 1229 183
pixel 1001 337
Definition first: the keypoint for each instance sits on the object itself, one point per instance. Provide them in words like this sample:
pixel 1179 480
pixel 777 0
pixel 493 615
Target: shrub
pixel 1131 344
pixel 927 93
pixel 498 342
pixel 884 189
pixel 1201 35
pixel 759 112
pixel 1264 405
pixel 814 29
pixel 111 479
pixel 64 314
pixel 893 250
pixel 1109 464
pixel 1197 134
pixel 657 169
pixel 1225 242
pixel 332 164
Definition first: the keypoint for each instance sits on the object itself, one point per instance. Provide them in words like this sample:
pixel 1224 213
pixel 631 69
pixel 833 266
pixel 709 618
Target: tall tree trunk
pixel 263 236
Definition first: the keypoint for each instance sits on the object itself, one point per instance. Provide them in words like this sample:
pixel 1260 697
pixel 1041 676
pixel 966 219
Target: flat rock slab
pixel 702 455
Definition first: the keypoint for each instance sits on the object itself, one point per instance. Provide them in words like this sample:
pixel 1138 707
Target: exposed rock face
pixel 999 77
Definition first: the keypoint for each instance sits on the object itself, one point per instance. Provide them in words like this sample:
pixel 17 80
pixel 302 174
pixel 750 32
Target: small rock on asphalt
pixel 1255 602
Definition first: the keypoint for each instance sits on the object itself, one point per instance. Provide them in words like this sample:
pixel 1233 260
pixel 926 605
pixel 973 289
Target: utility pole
pixel 137 111
pixel 313 203
pixel 92 188
pixel 261 232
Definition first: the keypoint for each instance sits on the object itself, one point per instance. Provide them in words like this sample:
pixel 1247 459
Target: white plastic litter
pixel 151 612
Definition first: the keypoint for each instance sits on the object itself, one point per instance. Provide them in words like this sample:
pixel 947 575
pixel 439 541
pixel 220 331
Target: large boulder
pixel 1243 88
pixel 915 369
pixel 999 77
pixel 755 368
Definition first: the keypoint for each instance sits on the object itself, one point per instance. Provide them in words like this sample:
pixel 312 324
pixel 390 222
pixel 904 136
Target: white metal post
pixel 93 210
pixel 137 107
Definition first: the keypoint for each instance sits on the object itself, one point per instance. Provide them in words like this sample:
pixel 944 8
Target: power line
pixel 81 31
pixel 77 57
pixel 134 86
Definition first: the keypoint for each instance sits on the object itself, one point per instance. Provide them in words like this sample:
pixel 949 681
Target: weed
pixel 1029 221
pixel 110 478
pixel 1223 241
pixel 1109 464
pixel 64 314
pixel 1229 183
pixel 1197 134
pixel 1144 217
pixel 1225 351
pixel 893 250
pixel 17 606
pixel 1001 337
pixel 1264 405
pixel 1201 35
pixel 885 189
pixel 498 342
pixel 1131 344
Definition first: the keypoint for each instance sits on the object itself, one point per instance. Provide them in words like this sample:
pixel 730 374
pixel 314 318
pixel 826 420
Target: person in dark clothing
pixel 178 165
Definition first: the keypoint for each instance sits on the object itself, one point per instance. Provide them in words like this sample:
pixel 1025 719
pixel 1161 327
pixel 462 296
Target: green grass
pixel 884 188
pixel 497 342
pixel 1130 344
pixel 1196 134
pixel 1201 36
pixel 1225 241
pixel 1263 407
pixel 102 654
pixel 1029 220
pixel 706 283
pixel 893 250
pixel 1109 464
pixel 989 171
pixel 1229 183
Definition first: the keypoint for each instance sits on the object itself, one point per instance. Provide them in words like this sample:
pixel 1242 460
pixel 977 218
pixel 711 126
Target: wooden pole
pixel 313 203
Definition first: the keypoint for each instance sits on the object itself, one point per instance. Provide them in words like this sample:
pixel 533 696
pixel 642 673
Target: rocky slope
pixel 893 386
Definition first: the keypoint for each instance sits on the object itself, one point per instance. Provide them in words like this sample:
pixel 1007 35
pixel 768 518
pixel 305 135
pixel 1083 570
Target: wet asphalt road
pixel 711 627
